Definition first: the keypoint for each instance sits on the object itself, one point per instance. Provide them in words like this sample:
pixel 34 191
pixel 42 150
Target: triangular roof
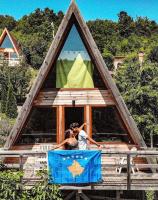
pixel 73 15
pixel 12 39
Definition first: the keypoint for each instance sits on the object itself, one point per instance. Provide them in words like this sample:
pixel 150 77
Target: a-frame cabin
pixel 73 85
pixel 9 48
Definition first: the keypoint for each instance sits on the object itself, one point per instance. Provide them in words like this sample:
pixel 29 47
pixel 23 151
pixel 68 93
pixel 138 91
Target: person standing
pixel 82 136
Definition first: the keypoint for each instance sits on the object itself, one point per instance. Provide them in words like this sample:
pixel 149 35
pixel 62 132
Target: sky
pixel 90 9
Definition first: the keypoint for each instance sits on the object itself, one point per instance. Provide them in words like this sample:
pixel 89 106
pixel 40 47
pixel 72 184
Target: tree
pixel 153 56
pixel 139 86
pixel 125 24
pixel 11 105
pixel 145 27
pixel 8 22
pixel 35 33
pixel 3 98
pixel 19 77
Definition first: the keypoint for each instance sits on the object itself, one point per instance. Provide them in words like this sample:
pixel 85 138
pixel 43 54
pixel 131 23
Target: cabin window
pixel 40 128
pixel 1 55
pixel 13 55
pixel 6 43
pixel 107 126
pixel 74 67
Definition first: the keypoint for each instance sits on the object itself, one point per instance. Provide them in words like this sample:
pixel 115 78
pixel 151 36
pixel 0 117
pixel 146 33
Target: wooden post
pixel 70 195
pixel 88 121
pixel 117 195
pixel 61 124
pixel 151 140
pixel 84 197
pixel 21 169
pixel 128 172
pixel 77 195
pixel 21 162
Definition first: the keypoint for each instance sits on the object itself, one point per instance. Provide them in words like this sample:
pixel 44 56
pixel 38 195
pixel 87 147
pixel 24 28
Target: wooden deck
pixel 144 179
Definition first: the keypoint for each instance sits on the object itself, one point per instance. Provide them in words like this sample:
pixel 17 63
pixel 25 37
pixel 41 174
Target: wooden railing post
pixel 128 171
pixel 21 169
pixel 21 162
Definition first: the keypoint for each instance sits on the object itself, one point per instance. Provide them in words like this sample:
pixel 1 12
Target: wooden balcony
pixel 144 177
pixel 10 62
pixel 81 97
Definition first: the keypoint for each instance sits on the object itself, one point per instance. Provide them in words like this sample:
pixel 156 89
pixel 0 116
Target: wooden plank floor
pixel 140 181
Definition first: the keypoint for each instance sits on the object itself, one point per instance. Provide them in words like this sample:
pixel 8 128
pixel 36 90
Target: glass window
pixel 74 67
pixel 40 128
pixel 107 125
pixel 6 43
pixel 13 55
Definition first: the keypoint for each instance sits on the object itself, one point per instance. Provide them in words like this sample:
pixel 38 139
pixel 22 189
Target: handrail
pixel 128 154
pixel 33 152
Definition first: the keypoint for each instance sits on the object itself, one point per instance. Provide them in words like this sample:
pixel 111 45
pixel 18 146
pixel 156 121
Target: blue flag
pixel 74 166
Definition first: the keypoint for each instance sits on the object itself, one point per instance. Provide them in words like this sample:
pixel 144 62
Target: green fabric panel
pixel 74 74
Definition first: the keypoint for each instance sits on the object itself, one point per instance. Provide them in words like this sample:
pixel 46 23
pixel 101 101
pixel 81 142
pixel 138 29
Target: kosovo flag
pixel 74 166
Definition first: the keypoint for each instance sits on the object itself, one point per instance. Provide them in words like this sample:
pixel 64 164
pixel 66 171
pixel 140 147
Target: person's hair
pixel 74 125
pixel 67 133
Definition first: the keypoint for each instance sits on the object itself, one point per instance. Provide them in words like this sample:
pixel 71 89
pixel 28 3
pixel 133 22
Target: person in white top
pixel 82 136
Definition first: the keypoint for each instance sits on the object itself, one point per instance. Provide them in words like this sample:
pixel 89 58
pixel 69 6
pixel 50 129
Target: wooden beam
pixel 128 172
pixel 70 195
pixel 84 197
pixel 77 196
pixel 81 97
pixel 61 124
pixel 88 119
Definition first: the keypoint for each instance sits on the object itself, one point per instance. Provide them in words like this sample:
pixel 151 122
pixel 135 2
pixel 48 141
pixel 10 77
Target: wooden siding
pixel 81 97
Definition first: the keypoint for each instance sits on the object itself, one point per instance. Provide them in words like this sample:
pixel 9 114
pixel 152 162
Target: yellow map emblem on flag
pixel 76 169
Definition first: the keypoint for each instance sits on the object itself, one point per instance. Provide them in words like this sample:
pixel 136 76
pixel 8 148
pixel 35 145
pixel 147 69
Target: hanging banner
pixel 74 166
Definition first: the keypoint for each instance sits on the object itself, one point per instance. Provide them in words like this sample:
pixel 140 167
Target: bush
pixel 12 189
pixel 6 125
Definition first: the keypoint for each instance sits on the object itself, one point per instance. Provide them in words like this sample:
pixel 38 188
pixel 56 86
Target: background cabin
pixel 9 50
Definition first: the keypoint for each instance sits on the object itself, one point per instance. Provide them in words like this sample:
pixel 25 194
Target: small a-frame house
pixel 9 48
pixel 73 85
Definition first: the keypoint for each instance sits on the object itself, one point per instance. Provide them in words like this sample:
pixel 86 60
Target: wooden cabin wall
pixel 81 97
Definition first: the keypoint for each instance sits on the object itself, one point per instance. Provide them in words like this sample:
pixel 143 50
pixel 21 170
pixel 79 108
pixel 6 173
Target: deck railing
pixel 151 166
pixel 9 61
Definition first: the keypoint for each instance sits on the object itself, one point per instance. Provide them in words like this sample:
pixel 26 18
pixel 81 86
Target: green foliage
pixel 125 24
pixel 139 86
pixel 35 33
pixel 150 195
pixel 11 105
pixel 6 125
pixel 153 56
pixel 8 22
pixel 12 189
pixel 19 77
pixel 3 98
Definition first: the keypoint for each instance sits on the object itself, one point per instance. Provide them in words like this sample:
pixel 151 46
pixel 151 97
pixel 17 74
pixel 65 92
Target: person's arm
pixel 81 127
pixel 61 144
pixel 93 141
